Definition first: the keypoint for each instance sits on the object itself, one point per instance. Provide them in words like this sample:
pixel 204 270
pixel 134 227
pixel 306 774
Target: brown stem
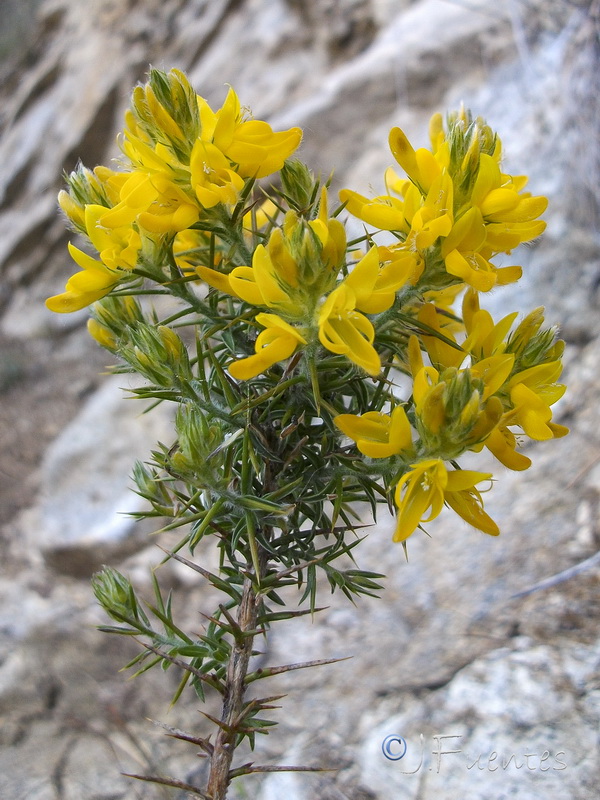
pixel 233 698
pixel 237 669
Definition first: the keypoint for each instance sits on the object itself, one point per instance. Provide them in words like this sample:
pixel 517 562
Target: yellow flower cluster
pixel 181 159
pixel 285 268
pixel 452 215
pixel 483 393
pixel 456 210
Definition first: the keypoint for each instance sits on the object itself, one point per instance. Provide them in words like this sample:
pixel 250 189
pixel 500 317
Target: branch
pixel 211 681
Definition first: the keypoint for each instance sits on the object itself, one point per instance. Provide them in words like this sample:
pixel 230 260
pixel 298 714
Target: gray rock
pixel 507 725
pixel 450 648
pixel 82 518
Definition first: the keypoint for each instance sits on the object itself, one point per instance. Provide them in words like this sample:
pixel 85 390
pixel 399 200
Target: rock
pixel 507 725
pixel 467 639
pixel 81 521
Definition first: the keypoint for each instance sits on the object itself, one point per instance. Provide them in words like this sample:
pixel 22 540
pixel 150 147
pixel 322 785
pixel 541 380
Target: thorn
pixel 267 672
pixel 186 737
pixel 249 769
pixel 168 782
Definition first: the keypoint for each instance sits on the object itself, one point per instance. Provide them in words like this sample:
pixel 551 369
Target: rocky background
pixel 470 641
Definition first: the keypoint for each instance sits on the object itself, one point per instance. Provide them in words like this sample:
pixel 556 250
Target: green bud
pixel 116 596
pixel 84 187
pixel 468 139
pixel 166 109
pixel 158 354
pixel 198 441
pixel 175 351
pixel 152 488
pixel 117 314
pixel 299 184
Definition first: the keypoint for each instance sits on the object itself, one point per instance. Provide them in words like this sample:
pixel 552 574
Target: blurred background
pixel 469 640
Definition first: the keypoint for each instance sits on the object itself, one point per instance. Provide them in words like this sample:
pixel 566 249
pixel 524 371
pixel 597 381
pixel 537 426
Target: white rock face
pixel 86 497
pixel 507 725
pixel 450 649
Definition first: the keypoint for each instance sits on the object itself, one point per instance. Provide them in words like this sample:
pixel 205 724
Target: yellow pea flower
pixel 493 372
pixel 421 493
pixel 267 283
pixel 136 195
pixel 277 342
pixel 147 156
pixel 510 216
pixel 533 413
pixel 384 212
pixel 484 336
pixel 433 217
pixel 250 144
pixel 118 249
pixel 402 266
pixel 440 352
pixel 212 178
pixel 341 328
pixel 84 288
pixel 502 443
pixel 377 435
pixel 153 201
pixel 101 334
pixel 171 212
pixel 420 165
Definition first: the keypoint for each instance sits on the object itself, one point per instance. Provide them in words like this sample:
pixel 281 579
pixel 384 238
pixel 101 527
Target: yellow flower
pixel 403 266
pixel 154 202
pixel 459 251
pixel 509 215
pixel 502 443
pixel 146 155
pixel 433 216
pixel 268 282
pixel 276 343
pixel 421 493
pixel 171 212
pixel 440 352
pixel 377 435
pixel 384 212
pixel 292 271
pixel 250 144
pixel 341 328
pixel 212 178
pixel 484 336
pixel 118 249
pixel 532 412
pixel 85 287
pixel 422 166
pixel 101 334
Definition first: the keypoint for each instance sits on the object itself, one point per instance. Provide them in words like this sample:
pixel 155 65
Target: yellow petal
pixel 470 508
pixel 462 479
pixel 216 279
pixel 502 443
